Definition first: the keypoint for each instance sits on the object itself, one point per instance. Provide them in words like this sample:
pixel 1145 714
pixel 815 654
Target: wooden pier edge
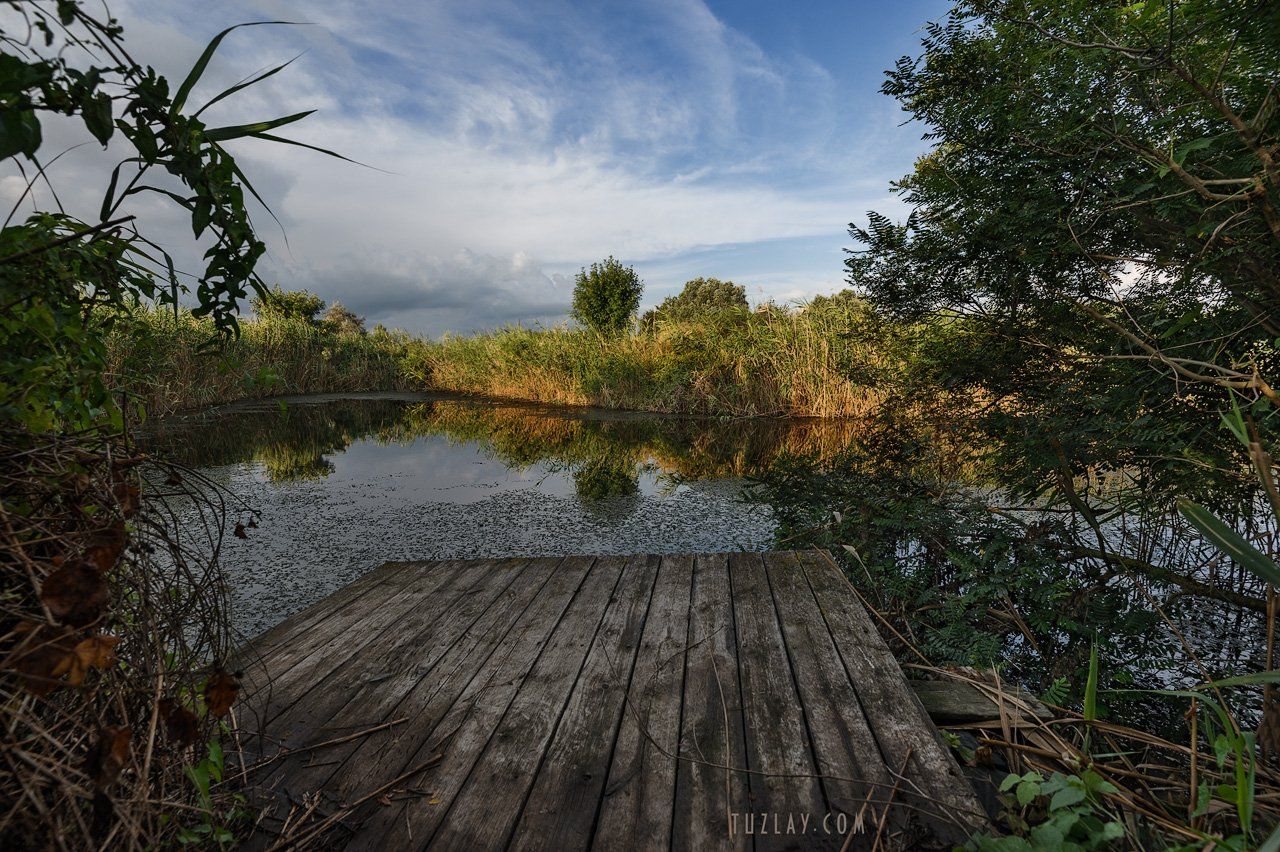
pixel 707 701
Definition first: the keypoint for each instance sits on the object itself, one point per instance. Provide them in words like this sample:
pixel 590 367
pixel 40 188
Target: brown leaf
pixel 239 531
pixel 220 692
pixel 96 652
pixel 42 656
pixel 108 755
pixel 129 498
pixel 179 722
pixel 253 524
pixel 75 594
pixel 107 546
pixel 1269 729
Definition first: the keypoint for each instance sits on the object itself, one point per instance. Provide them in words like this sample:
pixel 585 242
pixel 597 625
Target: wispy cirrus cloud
pixel 519 141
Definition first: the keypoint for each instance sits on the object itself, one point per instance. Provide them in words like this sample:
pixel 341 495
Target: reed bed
pixel 173 363
pixel 828 361
pixel 832 358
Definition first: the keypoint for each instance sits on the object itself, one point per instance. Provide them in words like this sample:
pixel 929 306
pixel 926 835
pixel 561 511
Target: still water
pixel 339 485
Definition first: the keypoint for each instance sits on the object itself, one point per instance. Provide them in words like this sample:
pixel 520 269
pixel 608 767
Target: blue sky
pixel 519 141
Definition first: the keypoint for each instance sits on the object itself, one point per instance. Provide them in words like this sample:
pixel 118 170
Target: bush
pixel 288 304
pixel 700 297
pixel 342 320
pixel 606 298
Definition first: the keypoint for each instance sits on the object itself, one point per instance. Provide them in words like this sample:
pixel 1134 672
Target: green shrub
pixel 287 304
pixel 700 297
pixel 606 298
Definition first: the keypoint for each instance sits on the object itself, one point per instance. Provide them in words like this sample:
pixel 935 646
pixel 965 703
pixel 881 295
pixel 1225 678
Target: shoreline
pixel 586 412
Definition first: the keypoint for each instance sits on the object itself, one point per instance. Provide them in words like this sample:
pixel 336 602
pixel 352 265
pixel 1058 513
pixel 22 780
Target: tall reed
pixel 828 360
pixel 171 363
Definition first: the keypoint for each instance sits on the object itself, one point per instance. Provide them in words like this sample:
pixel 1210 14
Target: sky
pixel 509 143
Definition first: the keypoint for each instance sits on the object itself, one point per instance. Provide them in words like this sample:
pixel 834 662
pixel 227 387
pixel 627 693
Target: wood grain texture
pixel 461 736
pixel 560 811
pixel 932 785
pixel 712 782
pixel 566 703
pixel 640 791
pixel 778 741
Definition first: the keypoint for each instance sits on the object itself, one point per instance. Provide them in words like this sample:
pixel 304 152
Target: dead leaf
pixel 239 531
pixel 108 755
pixel 42 656
pixel 108 545
pixel 75 594
pixel 96 652
pixel 180 724
pixel 129 498
pixel 220 692
pixel 253 524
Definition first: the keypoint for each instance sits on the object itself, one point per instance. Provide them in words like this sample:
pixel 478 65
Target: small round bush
pixel 606 297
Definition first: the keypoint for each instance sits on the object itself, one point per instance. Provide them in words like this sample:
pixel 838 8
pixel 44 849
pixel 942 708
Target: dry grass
pixel 111 629
pixel 827 362
pixel 172 364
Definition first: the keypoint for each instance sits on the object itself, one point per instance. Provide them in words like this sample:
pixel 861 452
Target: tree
pixel 300 305
pixel 703 296
pixel 1101 201
pixel 343 320
pixel 606 297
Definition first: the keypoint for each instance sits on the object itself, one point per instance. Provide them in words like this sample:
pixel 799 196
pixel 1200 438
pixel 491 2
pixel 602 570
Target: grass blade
pixel 244 84
pixel 239 131
pixel 1229 541
pixel 197 70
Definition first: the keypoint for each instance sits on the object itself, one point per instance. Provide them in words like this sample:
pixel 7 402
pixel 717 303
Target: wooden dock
pixel 688 702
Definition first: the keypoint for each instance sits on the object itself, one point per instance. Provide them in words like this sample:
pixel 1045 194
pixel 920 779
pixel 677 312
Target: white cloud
pixel 508 133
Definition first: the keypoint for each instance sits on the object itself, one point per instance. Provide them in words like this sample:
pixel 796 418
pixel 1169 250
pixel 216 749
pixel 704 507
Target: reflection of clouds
pixel 450 471
pixel 317 536
pixel 395 494
pixel 463 472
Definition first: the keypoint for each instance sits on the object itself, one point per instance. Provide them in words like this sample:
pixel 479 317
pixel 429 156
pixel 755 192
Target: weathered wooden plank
pixel 461 736
pixel 711 733
pixel 300 665
pixel 855 779
pixel 560 810
pixel 430 699
pixel 955 702
pixel 557 696
pixel 636 809
pixel 257 651
pixel 776 735
pixel 489 804
pixel 359 693
pixel 933 787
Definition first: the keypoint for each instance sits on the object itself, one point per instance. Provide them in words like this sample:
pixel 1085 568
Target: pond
pixel 338 485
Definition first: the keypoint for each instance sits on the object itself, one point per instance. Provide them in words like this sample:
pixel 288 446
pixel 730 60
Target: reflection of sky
pixel 437 498
pixel 435 467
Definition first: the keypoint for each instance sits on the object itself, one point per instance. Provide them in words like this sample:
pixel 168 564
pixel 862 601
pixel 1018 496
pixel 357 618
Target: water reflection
pixel 344 484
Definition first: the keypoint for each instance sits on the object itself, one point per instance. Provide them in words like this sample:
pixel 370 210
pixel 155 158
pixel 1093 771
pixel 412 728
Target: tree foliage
pixel 607 296
pixel 276 303
pixel 1099 215
pixel 343 320
pixel 702 296
pixel 64 281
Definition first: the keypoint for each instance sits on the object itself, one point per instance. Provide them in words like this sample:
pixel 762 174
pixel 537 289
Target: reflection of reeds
pixel 294 442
